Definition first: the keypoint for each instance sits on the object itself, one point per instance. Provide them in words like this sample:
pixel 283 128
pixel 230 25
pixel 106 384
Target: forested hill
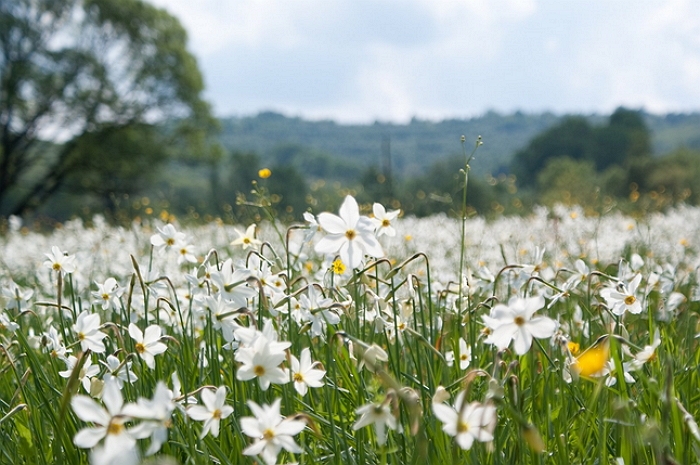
pixel 418 144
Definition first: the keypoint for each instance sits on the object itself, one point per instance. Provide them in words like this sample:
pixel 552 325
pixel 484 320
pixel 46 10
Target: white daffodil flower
pixel 87 371
pixel 148 343
pixel 156 414
pixel 167 238
pixel 305 373
pixel 247 239
pixel 212 412
pixel 382 220
pixel 87 329
pixel 467 423
pixel 262 360
pixel 108 423
pixel 271 430
pixel 515 322
pixel 59 261
pixel 378 414
pixel 622 298
pixel 108 294
pixel 349 235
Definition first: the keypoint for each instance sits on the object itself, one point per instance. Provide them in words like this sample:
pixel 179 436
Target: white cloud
pixel 357 60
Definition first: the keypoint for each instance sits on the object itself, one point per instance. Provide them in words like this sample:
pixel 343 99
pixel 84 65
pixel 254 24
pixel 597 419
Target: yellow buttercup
pixel 592 360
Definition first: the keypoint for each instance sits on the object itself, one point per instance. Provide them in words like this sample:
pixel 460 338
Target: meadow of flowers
pixel 356 337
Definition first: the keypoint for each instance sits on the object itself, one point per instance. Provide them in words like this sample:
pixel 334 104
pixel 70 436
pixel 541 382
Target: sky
pixel 359 61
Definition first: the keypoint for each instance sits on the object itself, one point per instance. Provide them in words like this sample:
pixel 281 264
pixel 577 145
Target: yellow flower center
pixel 216 414
pixel 140 348
pixel 386 223
pixel 115 428
pixel 630 299
pixel 462 427
pixel 350 234
pixel 57 266
pixel 268 434
pixel 170 241
pixel 259 370
pixel 298 377
pixel 519 320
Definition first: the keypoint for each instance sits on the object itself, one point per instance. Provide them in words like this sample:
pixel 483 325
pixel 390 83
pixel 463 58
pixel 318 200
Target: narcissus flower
pixel 382 220
pixel 108 423
pixel 212 412
pixel 108 294
pixel 148 344
pixel 467 423
pixel 156 414
pixel 378 414
pixel 87 371
pixel 262 360
pixel 349 235
pixel 465 354
pixel 60 261
pixel 271 430
pixel 167 238
pixel 306 373
pixel 247 239
pixel 87 328
pixel 622 298
pixel 647 354
pixel 515 322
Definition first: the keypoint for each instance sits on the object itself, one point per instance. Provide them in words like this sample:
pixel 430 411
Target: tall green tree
pixel 82 74
pixel 572 138
pixel 624 139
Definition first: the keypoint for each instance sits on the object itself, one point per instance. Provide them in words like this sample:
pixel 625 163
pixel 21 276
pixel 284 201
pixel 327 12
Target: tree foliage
pixel 625 138
pixel 93 77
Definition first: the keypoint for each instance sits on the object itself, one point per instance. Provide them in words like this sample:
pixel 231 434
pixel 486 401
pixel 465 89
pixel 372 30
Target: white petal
pixel 502 335
pixel 542 327
pixel 87 438
pixel 152 334
pixel 330 244
pixel 255 448
pixel 135 333
pixel 112 397
pixel 209 399
pixel 445 413
pixel 332 224
pixel 522 341
pixel 88 410
pixel 290 427
pixel 251 427
pixel 198 413
pixel 349 211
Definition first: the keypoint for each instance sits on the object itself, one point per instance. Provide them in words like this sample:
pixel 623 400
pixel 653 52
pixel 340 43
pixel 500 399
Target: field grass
pixel 415 347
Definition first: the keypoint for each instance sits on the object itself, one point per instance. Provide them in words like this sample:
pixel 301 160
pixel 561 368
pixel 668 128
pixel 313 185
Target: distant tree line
pixel 101 112
pixel 575 162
